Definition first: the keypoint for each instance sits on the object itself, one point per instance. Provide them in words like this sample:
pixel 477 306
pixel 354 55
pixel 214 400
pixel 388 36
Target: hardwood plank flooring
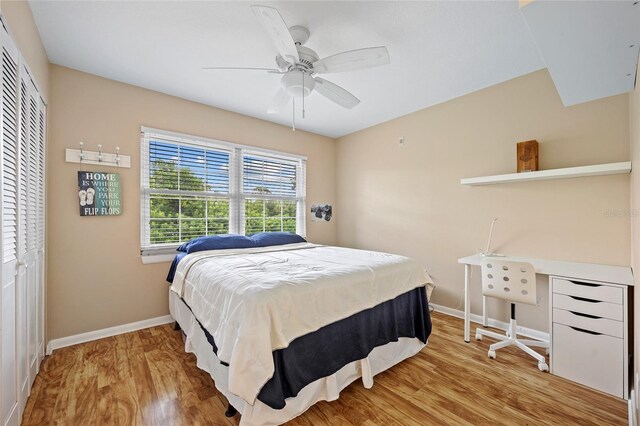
pixel 146 378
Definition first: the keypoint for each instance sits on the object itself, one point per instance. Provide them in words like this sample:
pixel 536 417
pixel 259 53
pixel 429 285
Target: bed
pixel 282 327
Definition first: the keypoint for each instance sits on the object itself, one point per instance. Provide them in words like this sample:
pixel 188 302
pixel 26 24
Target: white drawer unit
pixel 590 333
pixel 595 360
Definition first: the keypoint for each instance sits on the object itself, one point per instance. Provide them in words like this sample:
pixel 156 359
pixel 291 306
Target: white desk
pixel 582 271
pixel 589 320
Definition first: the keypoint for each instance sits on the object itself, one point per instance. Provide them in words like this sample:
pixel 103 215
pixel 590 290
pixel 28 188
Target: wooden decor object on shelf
pixel 527 154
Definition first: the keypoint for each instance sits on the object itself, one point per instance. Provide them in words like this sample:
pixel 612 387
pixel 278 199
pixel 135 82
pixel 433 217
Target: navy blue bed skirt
pixel 325 351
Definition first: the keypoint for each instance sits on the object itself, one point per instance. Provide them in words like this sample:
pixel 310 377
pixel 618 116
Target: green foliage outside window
pixel 175 218
pixel 269 215
pixel 179 218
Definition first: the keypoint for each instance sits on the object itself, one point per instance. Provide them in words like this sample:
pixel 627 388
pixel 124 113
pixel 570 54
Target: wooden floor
pixel 146 378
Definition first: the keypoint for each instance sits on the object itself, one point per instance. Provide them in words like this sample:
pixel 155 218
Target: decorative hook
pixel 99 153
pixel 81 155
pixel 117 156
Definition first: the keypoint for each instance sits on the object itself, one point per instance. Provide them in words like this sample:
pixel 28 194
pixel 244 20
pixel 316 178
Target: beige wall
pixel 399 199
pixel 25 33
pixel 96 278
pixel 634 128
pixel 408 199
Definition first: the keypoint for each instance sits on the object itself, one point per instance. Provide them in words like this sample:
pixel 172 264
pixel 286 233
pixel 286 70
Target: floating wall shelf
pixel 570 172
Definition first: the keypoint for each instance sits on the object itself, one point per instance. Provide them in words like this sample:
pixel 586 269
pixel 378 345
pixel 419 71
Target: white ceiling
pixel 439 51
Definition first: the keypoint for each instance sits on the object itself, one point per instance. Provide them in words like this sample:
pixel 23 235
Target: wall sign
pixel 99 194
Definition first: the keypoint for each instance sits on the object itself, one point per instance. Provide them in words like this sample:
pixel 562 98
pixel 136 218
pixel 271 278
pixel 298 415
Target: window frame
pixel 152 253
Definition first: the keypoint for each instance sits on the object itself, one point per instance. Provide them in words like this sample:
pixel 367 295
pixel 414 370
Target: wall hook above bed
pixel 97 157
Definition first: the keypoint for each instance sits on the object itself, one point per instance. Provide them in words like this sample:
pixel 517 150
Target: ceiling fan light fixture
pixel 292 83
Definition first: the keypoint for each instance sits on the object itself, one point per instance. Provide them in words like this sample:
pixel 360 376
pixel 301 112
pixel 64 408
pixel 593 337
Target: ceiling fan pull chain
pixel 293 127
pixel 303 112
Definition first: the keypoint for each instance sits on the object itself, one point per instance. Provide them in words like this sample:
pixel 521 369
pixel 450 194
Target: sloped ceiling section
pixel 590 47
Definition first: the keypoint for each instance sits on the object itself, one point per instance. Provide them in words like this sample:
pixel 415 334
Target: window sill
pixel 157 258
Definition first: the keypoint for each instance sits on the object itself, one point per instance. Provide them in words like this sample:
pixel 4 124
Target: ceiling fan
pixel 299 65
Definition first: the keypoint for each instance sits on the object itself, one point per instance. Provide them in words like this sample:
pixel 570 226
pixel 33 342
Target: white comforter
pixel 256 300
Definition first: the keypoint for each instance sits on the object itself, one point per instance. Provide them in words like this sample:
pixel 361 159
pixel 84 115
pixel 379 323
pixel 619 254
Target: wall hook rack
pixel 98 157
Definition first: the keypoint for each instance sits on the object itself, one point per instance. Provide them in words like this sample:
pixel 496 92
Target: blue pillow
pixel 264 239
pixel 217 242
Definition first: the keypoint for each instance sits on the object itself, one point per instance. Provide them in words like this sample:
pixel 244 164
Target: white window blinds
pixel 188 192
pixel 273 192
pixel 192 187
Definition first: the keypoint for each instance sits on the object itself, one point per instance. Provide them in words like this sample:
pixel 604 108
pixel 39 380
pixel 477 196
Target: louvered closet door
pixel 22 235
pixel 40 232
pixel 33 102
pixel 12 401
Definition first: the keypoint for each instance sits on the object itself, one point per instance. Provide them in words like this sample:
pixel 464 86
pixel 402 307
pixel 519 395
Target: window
pixel 269 187
pixel 192 186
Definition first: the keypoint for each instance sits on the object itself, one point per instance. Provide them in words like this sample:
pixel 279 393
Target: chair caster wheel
pixel 492 354
pixel 231 411
pixel 478 336
pixel 542 366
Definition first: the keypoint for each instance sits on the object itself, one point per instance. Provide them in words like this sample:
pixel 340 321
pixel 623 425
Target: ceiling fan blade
pixel 353 60
pixel 241 69
pixel 335 93
pixel 278 31
pixel 279 102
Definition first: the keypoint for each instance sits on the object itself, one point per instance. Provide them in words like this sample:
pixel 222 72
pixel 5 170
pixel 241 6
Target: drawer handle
pixel 584 299
pixel 582 330
pixel 585 284
pixel 580 314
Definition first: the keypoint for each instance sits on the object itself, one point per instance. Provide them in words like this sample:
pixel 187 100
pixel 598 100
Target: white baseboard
pixel 523 331
pixel 633 401
pixel 633 419
pixel 106 332
pixel 636 386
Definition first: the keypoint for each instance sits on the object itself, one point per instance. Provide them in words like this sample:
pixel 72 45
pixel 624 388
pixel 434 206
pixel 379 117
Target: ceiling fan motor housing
pixel 292 83
pixel 307 56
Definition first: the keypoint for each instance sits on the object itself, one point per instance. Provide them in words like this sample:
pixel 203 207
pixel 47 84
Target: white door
pixel 32 220
pixel 12 402
pixel 40 222
pixel 23 165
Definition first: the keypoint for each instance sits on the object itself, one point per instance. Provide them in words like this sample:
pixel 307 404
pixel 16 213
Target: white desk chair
pixel 516 282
